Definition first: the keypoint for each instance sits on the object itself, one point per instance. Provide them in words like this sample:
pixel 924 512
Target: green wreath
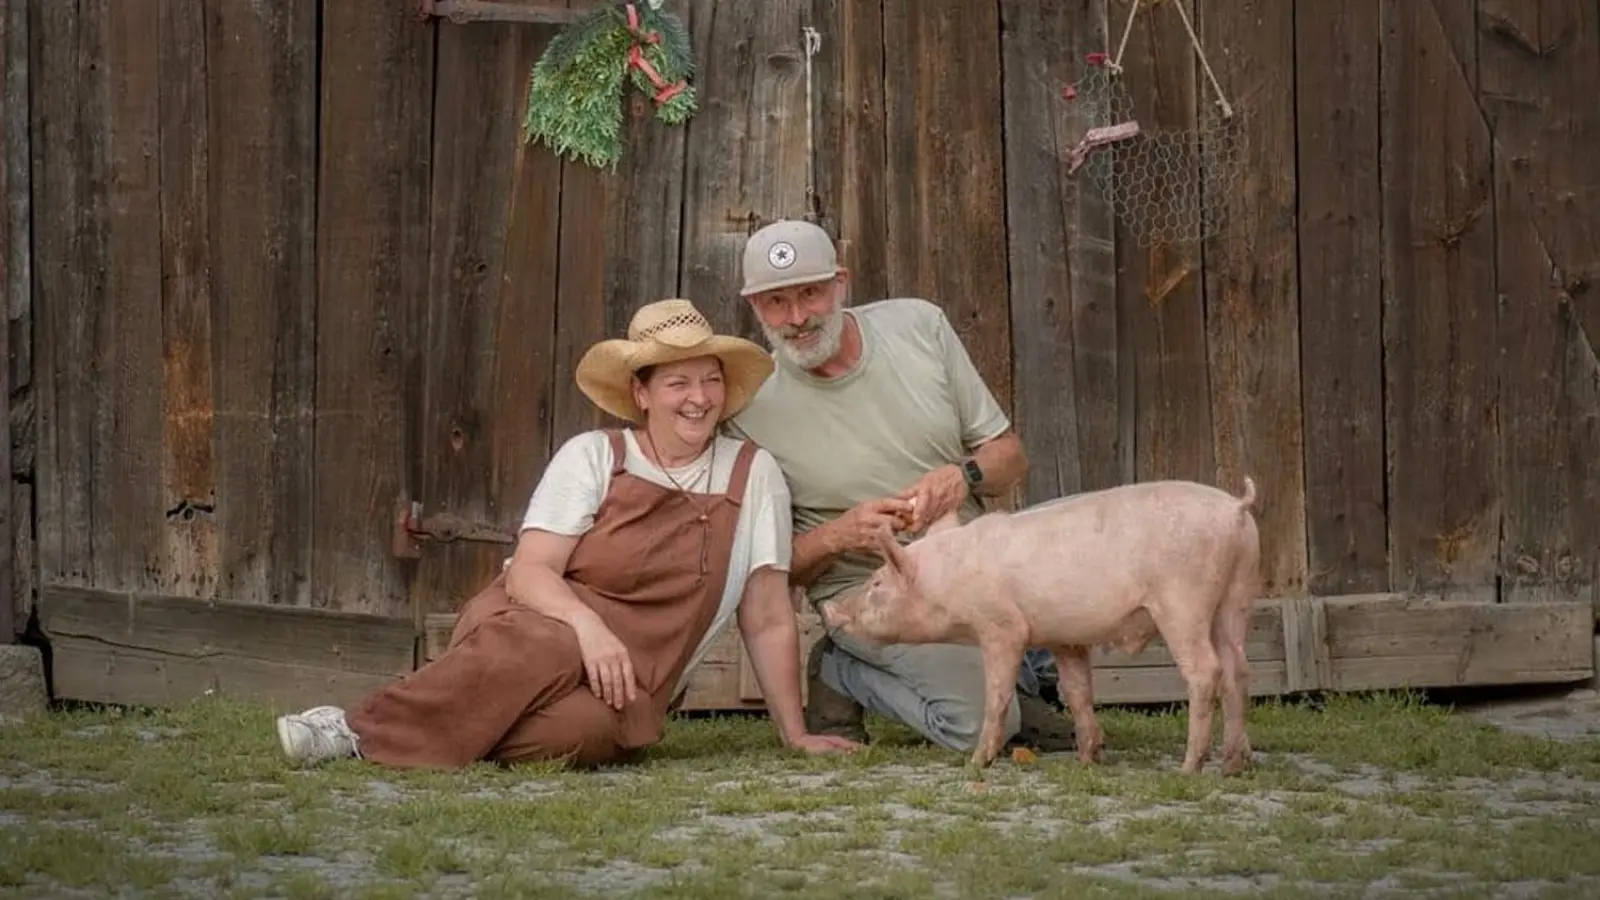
pixel 575 97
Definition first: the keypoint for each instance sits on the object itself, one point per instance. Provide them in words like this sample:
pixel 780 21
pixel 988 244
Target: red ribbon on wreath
pixel 664 91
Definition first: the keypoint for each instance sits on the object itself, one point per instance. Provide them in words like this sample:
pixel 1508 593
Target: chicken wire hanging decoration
pixel 1167 185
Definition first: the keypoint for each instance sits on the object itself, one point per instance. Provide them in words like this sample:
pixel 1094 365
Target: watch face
pixel 973 472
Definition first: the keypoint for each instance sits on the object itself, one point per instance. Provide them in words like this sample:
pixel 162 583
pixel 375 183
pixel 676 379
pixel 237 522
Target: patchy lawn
pixel 1368 796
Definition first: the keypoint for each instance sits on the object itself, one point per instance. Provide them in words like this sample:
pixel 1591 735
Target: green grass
pixel 1358 792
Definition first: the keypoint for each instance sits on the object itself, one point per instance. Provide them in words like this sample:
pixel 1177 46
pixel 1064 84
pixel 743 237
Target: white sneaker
pixel 317 734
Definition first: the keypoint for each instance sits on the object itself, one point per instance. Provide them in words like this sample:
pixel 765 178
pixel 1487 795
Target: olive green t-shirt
pixel 913 402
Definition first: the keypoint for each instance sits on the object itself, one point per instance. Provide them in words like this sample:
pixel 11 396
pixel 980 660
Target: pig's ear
pixel 893 553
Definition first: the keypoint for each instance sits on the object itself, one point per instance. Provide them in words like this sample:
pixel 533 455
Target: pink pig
pixel 1111 567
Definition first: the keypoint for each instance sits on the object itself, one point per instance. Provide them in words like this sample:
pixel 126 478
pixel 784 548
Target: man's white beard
pixel 831 330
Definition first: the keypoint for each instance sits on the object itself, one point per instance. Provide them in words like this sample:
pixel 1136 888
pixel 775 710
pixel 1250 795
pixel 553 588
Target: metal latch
pixel 411 528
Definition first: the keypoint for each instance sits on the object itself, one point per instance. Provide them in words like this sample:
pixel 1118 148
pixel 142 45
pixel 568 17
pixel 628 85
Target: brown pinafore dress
pixel 511 686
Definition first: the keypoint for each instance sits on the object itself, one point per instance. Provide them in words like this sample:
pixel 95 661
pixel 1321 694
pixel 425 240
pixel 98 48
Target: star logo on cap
pixel 781 255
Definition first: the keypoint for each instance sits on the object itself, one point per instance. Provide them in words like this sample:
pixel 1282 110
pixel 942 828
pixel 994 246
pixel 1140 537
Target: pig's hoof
pixel 1235 765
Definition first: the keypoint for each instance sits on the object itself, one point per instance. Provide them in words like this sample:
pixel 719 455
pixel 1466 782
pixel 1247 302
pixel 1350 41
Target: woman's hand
pixel 607 663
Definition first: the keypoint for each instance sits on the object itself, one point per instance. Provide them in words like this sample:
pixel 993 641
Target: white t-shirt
pixel 575 481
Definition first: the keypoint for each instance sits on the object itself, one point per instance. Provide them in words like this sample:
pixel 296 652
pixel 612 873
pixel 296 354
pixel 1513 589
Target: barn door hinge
pixel 412 527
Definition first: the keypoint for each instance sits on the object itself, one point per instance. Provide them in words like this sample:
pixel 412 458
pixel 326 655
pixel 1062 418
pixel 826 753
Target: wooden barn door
pixel 222 349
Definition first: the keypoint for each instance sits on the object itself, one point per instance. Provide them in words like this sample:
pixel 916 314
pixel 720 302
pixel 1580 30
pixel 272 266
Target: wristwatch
pixel 972 472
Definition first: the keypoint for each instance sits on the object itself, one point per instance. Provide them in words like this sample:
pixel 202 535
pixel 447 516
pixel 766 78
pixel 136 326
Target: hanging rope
pixel 813 43
pixel 1115 65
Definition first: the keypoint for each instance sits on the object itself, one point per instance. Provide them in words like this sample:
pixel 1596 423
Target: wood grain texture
pixel 1440 340
pixel 261 68
pixel 491 303
pixel 1252 286
pixel 746 157
pixel 162 650
pixel 66 120
pixel 850 140
pixel 190 538
pixel 1161 321
pixel 16 289
pixel 125 466
pixel 1341 293
pixel 1386 642
pixel 10 181
pixel 1066 371
pixel 945 162
pixel 1539 77
pixel 372 260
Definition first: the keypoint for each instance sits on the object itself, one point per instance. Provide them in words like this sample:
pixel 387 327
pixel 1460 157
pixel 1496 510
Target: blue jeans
pixel 1037 670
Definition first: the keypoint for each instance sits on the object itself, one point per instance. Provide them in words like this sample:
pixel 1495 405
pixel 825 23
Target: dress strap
pixel 619 451
pixel 741 470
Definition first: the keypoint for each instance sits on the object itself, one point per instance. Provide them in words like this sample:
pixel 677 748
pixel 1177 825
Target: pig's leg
pixel 1002 648
pixel 1228 634
pixel 1228 637
pixel 1077 690
pixel 1188 637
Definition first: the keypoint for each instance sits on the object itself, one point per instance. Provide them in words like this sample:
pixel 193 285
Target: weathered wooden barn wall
pixel 276 272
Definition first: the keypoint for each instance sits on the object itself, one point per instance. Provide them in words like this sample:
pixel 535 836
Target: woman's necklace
pixel 661 463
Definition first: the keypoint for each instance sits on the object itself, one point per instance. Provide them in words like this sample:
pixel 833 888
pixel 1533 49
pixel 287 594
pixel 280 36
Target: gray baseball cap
pixel 787 253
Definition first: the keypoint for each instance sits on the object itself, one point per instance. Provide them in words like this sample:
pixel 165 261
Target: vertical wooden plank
pixel 1440 341
pixel 372 264
pixel 126 470
pixel 848 107
pixel 620 231
pixel 16 314
pixel 64 121
pixel 1161 324
pixel 491 303
pixel 261 66
pixel 945 156
pixel 1062 257
pixel 18 246
pixel 1539 76
pixel 9 182
pixel 189 469
pixel 1341 294
pixel 746 146
pixel 1252 284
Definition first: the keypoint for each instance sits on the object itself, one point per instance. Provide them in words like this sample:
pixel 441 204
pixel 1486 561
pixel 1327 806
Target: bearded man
pixel 877 417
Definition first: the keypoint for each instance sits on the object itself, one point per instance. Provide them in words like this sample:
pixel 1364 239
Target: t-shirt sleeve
pixel 769 515
pixel 982 419
pixel 573 484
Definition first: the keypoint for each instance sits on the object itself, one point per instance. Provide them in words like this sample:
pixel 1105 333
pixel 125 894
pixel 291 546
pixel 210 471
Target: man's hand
pixel 822 744
pixel 607 663
pixel 858 528
pixel 939 492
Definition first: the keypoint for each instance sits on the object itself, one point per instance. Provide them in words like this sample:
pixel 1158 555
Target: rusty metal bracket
pixel 530 12
pixel 412 527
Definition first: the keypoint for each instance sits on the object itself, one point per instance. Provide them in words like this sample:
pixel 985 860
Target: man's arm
pixel 814 551
pixel 1004 462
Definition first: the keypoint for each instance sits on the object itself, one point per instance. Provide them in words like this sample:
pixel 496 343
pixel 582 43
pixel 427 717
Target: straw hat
pixel 662 332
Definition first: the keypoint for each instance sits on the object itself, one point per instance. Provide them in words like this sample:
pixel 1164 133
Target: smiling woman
pixel 638 546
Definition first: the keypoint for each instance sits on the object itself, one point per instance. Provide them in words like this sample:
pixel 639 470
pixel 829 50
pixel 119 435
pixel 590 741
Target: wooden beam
pixel 528 12
pixel 156 650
